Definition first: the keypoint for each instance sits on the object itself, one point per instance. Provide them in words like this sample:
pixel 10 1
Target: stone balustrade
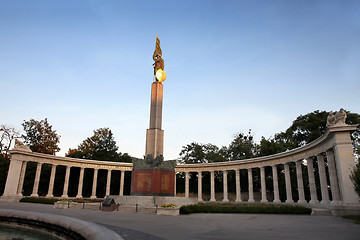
pixel 332 153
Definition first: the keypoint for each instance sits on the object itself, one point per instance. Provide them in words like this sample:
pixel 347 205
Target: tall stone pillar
pixel 212 186
pixel 80 186
pixel 312 185
pixel 108 182
pixel 37 180
pixel 226 198
pixel 251 189
pixel 66 182
pixel 238 186
pixel 276 184
pixel 93 194
pixel 51 183
pixel 289 198
pixel 200 186
pixel 323 181
pixel 300 182
pixel 186 184
pixel 21 179
pixel 154 135
pixel 263 185
pixel 122 182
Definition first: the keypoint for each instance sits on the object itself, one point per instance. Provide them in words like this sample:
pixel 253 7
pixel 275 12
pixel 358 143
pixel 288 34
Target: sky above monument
pixel 231 66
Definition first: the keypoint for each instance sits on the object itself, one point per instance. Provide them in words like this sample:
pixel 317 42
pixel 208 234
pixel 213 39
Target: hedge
pixel 244 208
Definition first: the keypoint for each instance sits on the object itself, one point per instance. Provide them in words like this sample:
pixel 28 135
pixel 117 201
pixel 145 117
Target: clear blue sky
pixel 231 66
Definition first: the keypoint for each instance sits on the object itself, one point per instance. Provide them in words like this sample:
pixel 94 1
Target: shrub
pixel 244 208
pixel 38 200
pixel 355 178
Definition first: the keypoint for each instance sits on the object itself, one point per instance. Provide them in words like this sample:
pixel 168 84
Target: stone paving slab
pixel 209 226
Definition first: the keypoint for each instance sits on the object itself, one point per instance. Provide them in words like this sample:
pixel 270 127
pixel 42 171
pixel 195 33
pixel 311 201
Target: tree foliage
pixel 7 137
pixel 40 136
pixel 202 153
pixel 243 147
pixel 101 146
pixel 355 178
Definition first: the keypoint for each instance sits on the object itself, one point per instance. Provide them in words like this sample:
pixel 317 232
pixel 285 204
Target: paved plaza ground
pixel 132 225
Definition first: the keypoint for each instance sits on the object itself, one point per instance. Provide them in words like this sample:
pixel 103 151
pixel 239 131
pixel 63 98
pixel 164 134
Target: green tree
pixel 40 136
pixel 243 147
pixel 7 137
pixel 355 178
pixel 101 146
pixel 305 129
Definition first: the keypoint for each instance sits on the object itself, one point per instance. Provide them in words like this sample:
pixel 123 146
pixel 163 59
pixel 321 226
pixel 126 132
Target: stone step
pixel 321 212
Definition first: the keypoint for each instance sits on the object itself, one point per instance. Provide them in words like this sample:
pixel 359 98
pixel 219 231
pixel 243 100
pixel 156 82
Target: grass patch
pixel 355 218
pixel 244 208
pixel 39 200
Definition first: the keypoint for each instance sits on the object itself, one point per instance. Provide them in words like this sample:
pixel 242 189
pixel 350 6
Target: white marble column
pixel 238 186
pixel 108 182
pixel 225 182
pixel 312 185
pixel 21 179
pixel 186 184
pixel 300 182
pixel 66 182
pixel 276 184
pixel 333 178
pixel 200 199
pixel 289 198
pixel 212 186
pixel 323 182
pixel 51 182
pixel 251 189
pixel 122 178
pixel 263 185
pixel 37 180
pixel 93 194
pixel 80 185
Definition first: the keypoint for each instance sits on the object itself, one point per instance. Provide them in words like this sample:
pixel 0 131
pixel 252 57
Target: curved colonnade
pixel 334 150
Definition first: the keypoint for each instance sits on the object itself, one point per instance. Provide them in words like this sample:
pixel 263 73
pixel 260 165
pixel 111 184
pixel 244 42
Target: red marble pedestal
pixel 152 182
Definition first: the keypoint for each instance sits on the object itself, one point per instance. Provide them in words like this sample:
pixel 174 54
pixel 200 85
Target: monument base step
pixel 153 201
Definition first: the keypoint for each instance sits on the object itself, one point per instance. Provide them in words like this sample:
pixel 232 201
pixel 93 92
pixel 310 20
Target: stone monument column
pixel 153 176
pixel 154 135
